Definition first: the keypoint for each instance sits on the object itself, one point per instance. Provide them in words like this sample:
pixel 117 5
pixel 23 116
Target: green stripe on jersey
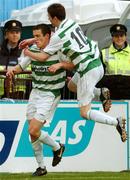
pixel 93 64
pixel 54 82
pixel 46 73
pixel 34 48
pixel 72 54
pixel 62 34
pixel 44 80
pixel 45 63
pixel 66 44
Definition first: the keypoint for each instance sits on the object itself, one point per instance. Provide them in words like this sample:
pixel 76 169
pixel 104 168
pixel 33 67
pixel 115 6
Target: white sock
pixel 101 117
pixel 37 147
pixel 46 139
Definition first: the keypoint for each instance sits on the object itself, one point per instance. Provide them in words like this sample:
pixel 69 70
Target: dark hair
pixel 57 10
pixel 45 28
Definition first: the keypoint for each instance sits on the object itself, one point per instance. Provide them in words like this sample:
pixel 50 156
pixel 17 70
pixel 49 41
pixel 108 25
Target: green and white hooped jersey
pixel 70 39
pixel 42 79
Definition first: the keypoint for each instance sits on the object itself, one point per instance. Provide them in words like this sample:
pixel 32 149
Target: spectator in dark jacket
pixel 9 54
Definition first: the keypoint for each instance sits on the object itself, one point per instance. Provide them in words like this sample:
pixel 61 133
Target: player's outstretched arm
pixel 61 65
pixel 26 42
pixel 40 56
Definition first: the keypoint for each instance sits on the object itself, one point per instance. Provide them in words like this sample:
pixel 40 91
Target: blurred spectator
pixel 9 51
pixel 116 61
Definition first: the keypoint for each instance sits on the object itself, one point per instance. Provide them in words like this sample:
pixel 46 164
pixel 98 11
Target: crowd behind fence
pixel 20 86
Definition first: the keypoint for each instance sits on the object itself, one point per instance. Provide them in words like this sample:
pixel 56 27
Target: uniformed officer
pixel 116 60
pixel 117 57
pixel 9 50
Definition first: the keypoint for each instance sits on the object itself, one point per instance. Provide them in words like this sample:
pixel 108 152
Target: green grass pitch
pixel 69 176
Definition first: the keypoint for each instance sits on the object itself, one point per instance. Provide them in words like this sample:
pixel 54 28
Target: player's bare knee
pixel 72 87
pixel 33 131
pixel 83 115
pixel 84 111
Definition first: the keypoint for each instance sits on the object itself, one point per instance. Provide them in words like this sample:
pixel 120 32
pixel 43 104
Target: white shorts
pixel 42 105
pixel 86 84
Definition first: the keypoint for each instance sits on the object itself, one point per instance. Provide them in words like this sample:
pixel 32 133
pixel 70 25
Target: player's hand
pixel 10 73
pixel 25 43
pixel 53 68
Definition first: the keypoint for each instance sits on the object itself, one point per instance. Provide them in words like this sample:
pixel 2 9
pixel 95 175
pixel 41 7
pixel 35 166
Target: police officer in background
pixel 116 60
pixel 10 52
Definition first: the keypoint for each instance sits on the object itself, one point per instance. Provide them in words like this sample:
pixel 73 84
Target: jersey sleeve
pixel 63 57
pixel 24 61
pixel 54 45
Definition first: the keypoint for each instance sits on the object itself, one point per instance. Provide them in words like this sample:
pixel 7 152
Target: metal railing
pixel 17 88
pixel 20 87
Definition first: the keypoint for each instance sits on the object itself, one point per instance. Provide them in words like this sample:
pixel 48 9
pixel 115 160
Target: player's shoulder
pixel 34 48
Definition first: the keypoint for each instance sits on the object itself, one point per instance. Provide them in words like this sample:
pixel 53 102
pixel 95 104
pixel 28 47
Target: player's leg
pixel 51 103
pixel 101 94
pixel 72 83
pixel 85 94
pixel 58 148
pixel 37 146
pixel 45 107
pixel 35 127
pixel 100 117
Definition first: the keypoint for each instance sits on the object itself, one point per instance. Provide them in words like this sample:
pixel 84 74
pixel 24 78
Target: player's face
pixel 52 20
pixel 119 40
pixel 41 41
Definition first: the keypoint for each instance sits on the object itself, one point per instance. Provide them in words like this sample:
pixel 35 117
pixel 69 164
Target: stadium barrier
pixel 20 87
pixel 17 88
pixel 90 146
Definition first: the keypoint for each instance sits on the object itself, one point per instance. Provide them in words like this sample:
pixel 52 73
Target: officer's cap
pixel 13 25
pixel 118 29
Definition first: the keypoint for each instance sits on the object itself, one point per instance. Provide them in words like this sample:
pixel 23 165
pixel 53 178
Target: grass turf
pixel 69 176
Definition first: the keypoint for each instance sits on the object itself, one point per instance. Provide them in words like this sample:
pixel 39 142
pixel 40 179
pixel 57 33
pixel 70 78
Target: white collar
pixel 62 23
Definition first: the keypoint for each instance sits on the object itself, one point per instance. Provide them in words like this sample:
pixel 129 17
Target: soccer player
pixel 84 54
pixel 44 96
